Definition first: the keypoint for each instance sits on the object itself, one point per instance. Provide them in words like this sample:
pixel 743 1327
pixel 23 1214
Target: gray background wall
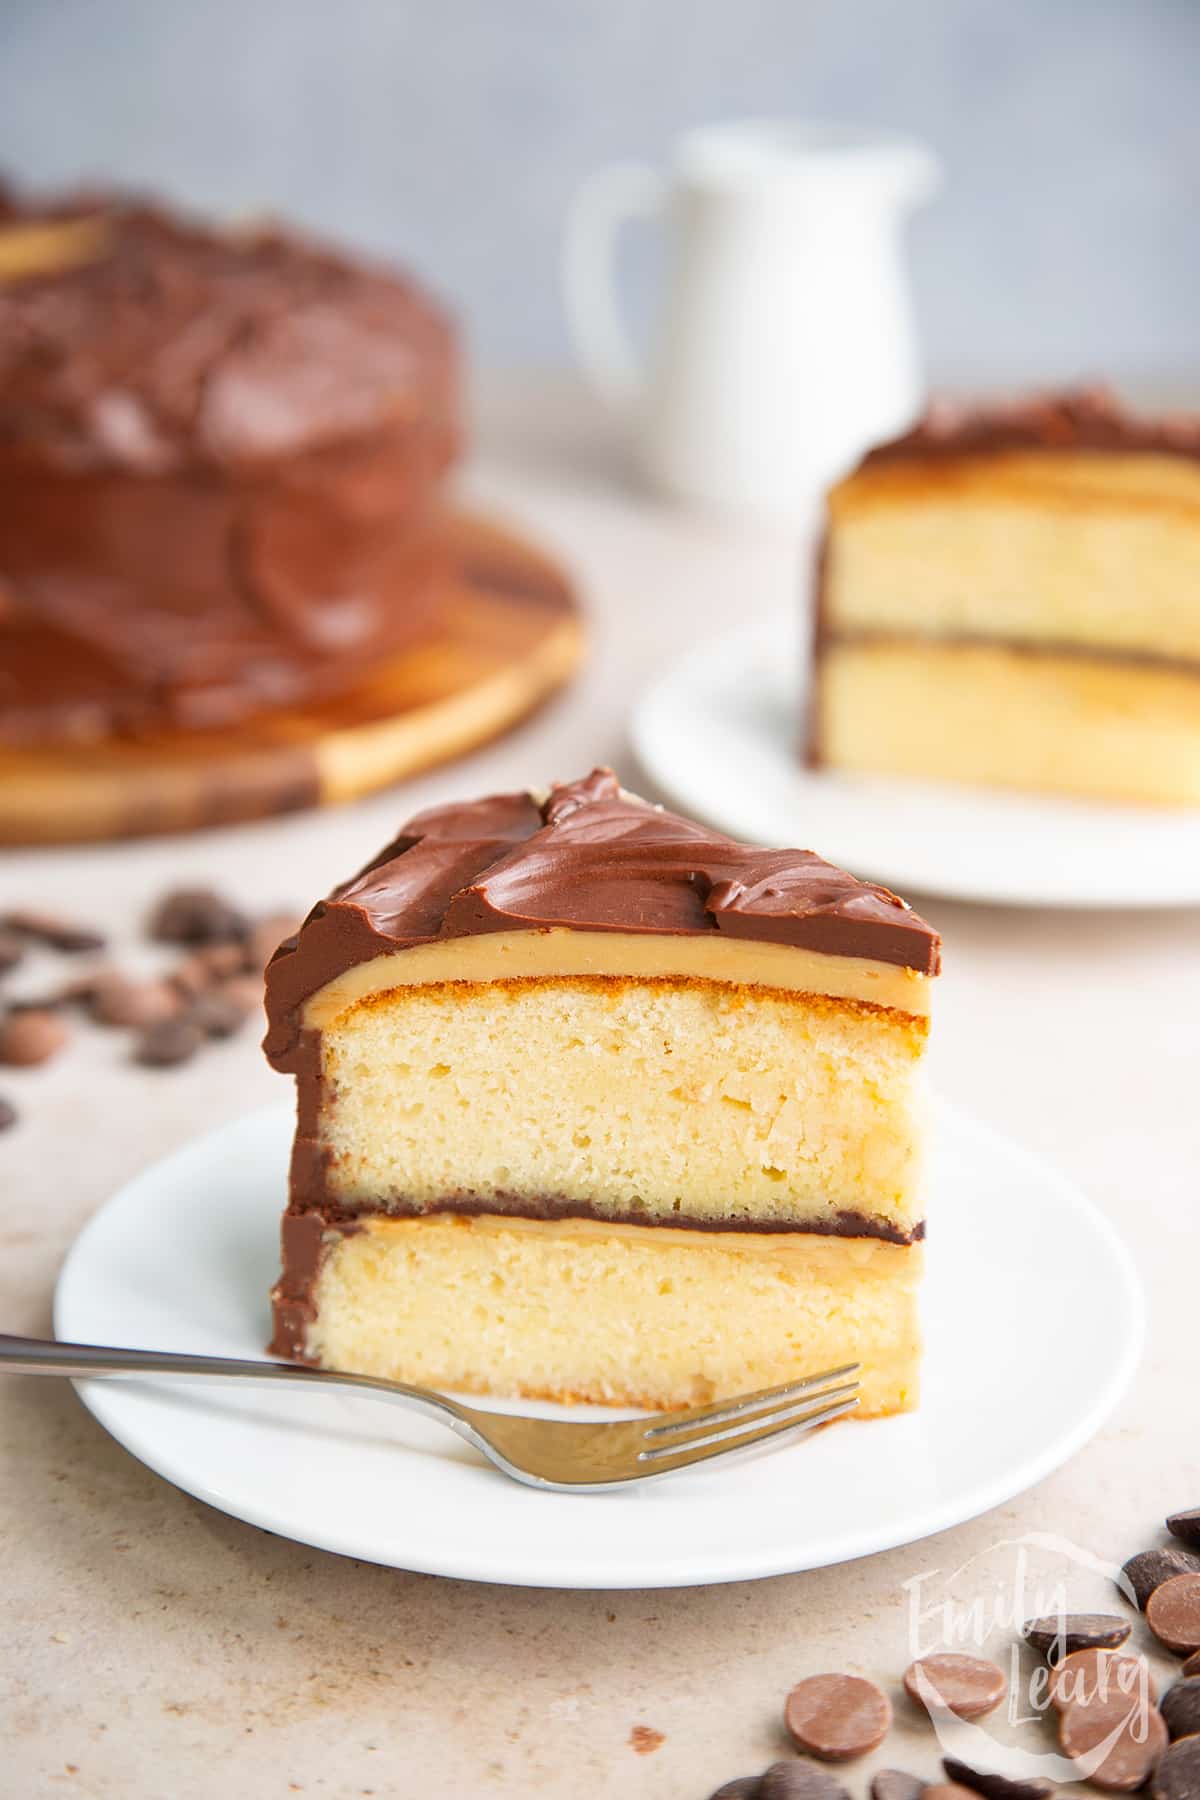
pixel 453 131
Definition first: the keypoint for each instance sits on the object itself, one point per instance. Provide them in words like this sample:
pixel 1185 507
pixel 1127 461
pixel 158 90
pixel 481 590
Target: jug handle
pixel 606 202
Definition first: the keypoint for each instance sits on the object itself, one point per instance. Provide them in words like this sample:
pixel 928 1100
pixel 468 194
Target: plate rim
pixel 467 1565
pixel 780 630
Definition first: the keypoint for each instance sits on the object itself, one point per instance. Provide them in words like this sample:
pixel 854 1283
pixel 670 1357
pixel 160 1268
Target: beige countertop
pixel 156 1650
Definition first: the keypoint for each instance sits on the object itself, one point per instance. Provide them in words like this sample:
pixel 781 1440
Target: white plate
pixel 718 735
pixel 183 1257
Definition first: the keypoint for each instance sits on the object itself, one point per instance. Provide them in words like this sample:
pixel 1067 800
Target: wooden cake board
pixel 510 634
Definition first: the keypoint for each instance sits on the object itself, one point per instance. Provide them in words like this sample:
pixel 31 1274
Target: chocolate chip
pixel 744 1787
pixel 8 1114
pixel 12 949
pixel 30 1037
pixel 799 1780
pixel 217 1014
pixel 116 1000
pixel 968 1686
pixel 896 1784
pixel 1088 1675
pixel 55 933
pixel 1060 1634
pixel 220 961
pixel 1177 1776
pixel 1129 1735
pixel 996 1787
pixel 247 992
pixel 837 1717
pixel 169 1042
pixel 1181 1707
pixel 1150 1568
pixel 266 937
pixel 1173 1613
pixel 1186 1526
pixel 196 916
pixel 81 989
pixel 1192 1665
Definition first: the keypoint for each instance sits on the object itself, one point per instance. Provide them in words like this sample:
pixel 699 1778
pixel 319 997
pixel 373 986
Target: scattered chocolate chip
pixel 117 1000
pixel 1150 1568
pixel 30 1037
pixel 799 1780
pixel 1177 1776
pixel 1060 1634
pixel 247 992
pixel 266 937
pixel 1186 1526
pixel 837 1717
pixel 217 1014
pixel 196 916
pixel 192 976
pixel 1128 1736
pixel 55 933
pixel 8 1114
pixel 1180 1707
pixel 223 960
pixel 1192 1665
pixel 996 1787
pixel 1091 1675
pixel 744 1787
pixel 169 1042
pixel 1173 1613
pixel 968 1686
pixel 896 1784
pixel 12 949
pixel 81 989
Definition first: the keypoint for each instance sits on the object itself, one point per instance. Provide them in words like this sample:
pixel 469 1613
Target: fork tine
pixel 714 1436
pixel 664 1462
pixel 668 1424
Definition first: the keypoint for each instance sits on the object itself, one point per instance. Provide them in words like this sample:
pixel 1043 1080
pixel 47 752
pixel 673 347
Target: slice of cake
pixel 596 1104
pixel 1012 596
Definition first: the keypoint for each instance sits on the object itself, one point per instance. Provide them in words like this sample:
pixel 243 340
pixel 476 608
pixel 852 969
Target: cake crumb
pixel 644 1739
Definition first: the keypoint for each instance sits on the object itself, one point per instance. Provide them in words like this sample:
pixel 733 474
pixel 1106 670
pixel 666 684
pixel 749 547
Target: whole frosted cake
pixel 221 459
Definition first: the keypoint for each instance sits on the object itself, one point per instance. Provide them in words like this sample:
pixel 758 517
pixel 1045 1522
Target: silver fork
pixel 566 1455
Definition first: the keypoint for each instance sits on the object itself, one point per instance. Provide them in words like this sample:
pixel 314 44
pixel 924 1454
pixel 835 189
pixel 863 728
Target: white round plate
pixel 183 1257
pixel 719 732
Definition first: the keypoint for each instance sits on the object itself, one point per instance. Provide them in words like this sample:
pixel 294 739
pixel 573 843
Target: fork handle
pixel 46 1356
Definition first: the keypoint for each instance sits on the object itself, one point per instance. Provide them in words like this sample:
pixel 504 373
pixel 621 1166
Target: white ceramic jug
pixel 785 342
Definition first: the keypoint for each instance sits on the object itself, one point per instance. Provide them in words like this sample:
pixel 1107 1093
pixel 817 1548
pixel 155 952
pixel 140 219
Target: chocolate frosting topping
pixel 174 344
pixel 590 857
pixel 221 459
pixel 1083 418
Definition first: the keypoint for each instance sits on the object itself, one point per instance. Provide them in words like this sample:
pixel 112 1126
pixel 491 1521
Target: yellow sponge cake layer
pixel 1011 718
pixel 1039 547
pixel 628 1315
pixel 655 1099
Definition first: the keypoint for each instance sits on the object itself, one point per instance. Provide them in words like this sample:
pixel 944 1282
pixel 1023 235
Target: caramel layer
pixel 563 953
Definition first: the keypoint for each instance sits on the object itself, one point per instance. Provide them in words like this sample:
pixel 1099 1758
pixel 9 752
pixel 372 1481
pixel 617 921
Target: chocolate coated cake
pixel 597 1104
pixel 221 458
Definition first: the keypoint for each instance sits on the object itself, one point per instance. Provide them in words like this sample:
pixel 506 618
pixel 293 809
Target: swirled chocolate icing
pixel 589 857
pixel 1082 418
pixel 221 455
